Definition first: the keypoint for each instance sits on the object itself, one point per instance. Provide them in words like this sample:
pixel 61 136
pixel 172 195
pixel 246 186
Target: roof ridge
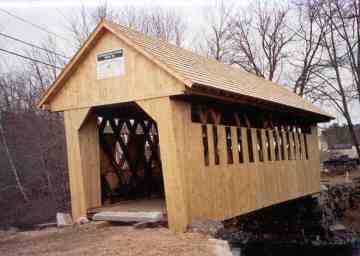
pixel 161 40
pixel 109 25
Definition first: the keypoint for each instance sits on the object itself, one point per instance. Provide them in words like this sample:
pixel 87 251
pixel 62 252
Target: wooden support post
pixel 169 118
pixel 83 160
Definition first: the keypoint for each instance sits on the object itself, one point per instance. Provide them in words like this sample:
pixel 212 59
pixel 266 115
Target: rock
pixel 150 224
pixel 221 247
pixel 82 220
pixel 337 227
pixel 205 226
pixel 9 231
pixel 46 225
pixel 63 219
pixel 12 230
pixel 128 217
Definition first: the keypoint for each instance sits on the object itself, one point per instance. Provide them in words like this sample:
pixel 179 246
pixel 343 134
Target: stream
pixel 300 227
pixel 274 249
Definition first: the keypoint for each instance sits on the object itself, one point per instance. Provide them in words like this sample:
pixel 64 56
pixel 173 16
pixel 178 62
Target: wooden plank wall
pixel 172 132
pixel 142 80
pixel 83 160
pixel 193 189
pixel 227 190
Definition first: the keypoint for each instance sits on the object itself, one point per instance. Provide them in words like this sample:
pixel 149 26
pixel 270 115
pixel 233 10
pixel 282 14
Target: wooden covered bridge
pixel 146 119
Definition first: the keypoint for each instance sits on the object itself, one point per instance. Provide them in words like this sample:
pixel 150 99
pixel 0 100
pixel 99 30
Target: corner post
pixel 169 116
pixel 83 160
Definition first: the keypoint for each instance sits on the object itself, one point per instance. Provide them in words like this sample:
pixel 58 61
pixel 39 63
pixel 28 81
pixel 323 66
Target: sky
pixel 52 15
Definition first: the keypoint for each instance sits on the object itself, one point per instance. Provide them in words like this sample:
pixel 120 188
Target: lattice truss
pixel 133 150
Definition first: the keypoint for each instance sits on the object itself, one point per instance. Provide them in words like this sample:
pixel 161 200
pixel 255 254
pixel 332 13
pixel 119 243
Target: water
pixel 293 250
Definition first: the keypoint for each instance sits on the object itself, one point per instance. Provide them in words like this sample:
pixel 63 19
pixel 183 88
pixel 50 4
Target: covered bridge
pixel 145 119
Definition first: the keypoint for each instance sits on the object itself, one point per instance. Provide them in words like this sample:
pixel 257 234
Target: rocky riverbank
pixel 312 223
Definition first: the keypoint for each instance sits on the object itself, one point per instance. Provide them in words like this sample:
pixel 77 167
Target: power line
pixel 34 25
pixel 29 58
pixel 32 45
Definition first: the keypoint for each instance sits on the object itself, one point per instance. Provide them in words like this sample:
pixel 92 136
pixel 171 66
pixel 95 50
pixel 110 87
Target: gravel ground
pixel 103 239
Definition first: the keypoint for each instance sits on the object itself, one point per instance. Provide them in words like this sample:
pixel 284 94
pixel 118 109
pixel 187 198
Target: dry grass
pixel 104 239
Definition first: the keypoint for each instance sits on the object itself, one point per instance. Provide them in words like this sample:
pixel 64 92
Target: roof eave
pixel 199 89
pixel 54 87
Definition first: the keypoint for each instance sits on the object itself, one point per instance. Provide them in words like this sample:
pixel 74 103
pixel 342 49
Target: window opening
pixel 306 147
pixel 240 146
pixel 267 144
pixel 260 145
pixel 281 143
pixel 205 144
pixel 276 144
pixel 230 159
pixel 298 131
pixel 288 145
pixel 250 145
pixel 294 143
pixel 216 145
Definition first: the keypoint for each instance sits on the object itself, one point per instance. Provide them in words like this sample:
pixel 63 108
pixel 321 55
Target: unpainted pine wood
pixel 90 161
pixel 264 148
pixel 270 181
pixel 73 121
pixel 302 162
pixel 234 174
pixel 143 79
pixel 244 144
pixel 171 151
pixel 213 182
pixel 196 194
pixel 296 142
pixel 257 175
pixel 291 145
pixel 234 145
pixel 314 153
pixel 248 186
pixel 276 178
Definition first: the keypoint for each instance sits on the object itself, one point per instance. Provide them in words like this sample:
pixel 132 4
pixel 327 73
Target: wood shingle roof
pixel 193 69
pixel 198 69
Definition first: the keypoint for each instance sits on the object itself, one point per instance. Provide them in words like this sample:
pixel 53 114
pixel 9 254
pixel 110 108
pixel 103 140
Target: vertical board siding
pixel 143 79
pixel 227 190
pixel 172 123
pixel 83 160
pixel 193 189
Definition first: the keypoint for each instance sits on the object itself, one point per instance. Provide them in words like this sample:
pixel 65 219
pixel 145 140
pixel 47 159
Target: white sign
pixel 110 64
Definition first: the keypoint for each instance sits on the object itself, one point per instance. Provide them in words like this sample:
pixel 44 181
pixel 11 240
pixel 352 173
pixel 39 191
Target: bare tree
pixel 32 141
pixel 217 34
pixel 167 25
pixel 260 38
pixel 335 79
pixel 155 21
pixel 11 161
pixel 308 39
pixel 345 20
pixel 83 23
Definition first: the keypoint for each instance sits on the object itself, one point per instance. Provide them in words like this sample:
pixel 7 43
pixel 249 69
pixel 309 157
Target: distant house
pixel 323 143
pixel 338 150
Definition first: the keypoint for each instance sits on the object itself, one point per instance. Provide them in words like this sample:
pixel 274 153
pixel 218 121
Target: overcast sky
pixel 52 14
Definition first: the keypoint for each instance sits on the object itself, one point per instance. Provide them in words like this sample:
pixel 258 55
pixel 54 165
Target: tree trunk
pixel 11 162
pixel 353 136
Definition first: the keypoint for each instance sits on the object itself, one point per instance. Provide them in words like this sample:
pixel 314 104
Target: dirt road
pixel 103 239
